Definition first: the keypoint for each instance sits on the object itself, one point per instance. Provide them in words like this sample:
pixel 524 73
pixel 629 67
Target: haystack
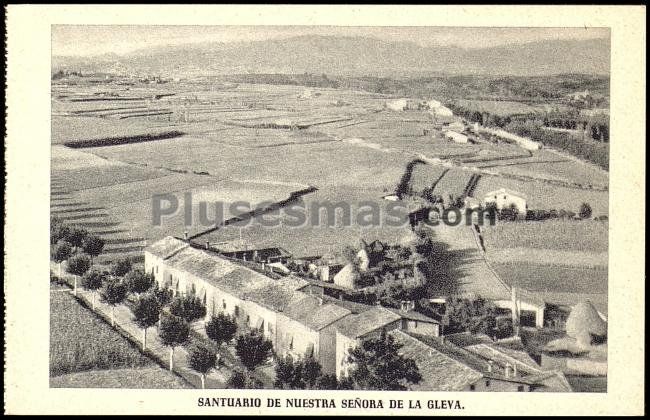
pixel 584 323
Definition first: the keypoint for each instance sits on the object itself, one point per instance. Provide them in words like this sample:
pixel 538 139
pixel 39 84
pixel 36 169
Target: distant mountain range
pixel 350 56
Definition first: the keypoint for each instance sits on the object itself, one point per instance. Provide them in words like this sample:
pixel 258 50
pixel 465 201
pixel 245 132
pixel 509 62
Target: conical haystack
pixel 584 322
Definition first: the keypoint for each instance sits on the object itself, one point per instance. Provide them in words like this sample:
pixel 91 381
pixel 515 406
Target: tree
pixel 146 313
pixel 174 332
pixel 76 236
pixel 299 374
pixel 163 296
pixel 189 307
pixel 460 315
pixel 509 213
pixel 138 281
pixel 58 231
pixel 93 280
pixel 585 211
pixel 113 293
pixel 93 245
pixel 120 267
pixel 243 380
pixel 221 328
pixel 60 252
pixel 327 382
pixel 285 373
pixel 253 349
pixel 378 365
pixel 77 266
pixel 202 359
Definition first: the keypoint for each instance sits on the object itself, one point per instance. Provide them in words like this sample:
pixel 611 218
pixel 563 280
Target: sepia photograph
pixel 265 213
pixel 491 159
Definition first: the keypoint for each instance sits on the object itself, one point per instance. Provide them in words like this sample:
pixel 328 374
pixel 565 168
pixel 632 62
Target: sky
pixel 87 40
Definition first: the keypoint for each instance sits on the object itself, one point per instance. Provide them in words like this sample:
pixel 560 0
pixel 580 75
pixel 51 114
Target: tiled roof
pixel 166 247
pixel 459 354
pixel 502 356
pixel 354 307
pixel 310 312
pixel 272 296
pixel 368 321
pixel 231 277
pixel 465 339
pixel 439 372
pixel 413 315
pixel 552 381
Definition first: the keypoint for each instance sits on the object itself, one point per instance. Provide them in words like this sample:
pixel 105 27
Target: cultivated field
pixel 260 143
pixel 79 341
pixel 550 277
pixel 140 378
pixel 561 235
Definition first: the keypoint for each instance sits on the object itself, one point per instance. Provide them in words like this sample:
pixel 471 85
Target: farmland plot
pixel 90 345
pixel 563 235
pixel 541 195
pixel 307 239
pixel 545 164
pixel 547 277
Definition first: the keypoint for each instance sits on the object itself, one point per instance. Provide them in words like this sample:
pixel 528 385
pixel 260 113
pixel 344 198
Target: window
pixel 487 383
pixel 156 269
pixel 237 311
pixel 472 387
pixel 291 344
pixel 416 324
pixel 520 388
pixel 248 319
pixel 224 303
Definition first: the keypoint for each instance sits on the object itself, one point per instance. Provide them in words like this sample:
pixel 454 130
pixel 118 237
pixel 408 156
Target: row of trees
pixel 591 151
pixel 74 245
pixel 511 213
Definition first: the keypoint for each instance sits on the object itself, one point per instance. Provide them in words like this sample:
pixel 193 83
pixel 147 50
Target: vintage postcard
pixel 325 210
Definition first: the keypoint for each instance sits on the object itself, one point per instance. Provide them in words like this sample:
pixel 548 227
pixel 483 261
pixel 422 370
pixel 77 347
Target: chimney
pixel 508 372
pixel 207 244
pixel 490 363
pixel 320 301
pixel 186 235
pixel 377 303
pixel 514 370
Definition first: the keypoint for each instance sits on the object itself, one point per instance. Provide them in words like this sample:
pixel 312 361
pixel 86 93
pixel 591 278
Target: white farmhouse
pixel 443 111
pixel 505 198
pixel 397 105
pixel 457 137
